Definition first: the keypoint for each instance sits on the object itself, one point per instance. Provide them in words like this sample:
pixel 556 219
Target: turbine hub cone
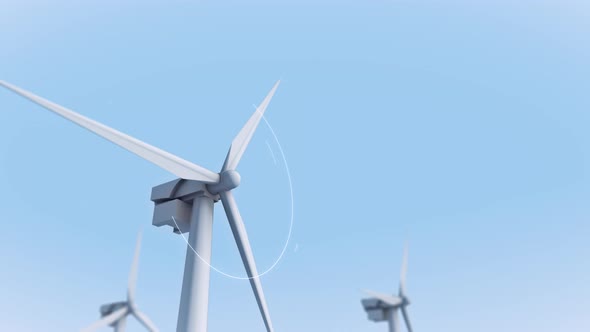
pixel 228 180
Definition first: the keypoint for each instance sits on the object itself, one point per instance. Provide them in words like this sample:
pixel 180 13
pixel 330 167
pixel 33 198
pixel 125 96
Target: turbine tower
pixel 115 314
pixel 384 307
pixel 186 204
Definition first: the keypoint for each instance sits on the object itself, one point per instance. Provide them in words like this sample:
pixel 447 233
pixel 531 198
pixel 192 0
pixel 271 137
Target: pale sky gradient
pixel 458 126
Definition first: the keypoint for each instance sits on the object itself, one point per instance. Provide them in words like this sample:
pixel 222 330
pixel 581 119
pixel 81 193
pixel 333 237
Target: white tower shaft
pixel 194 300
pixel 393 319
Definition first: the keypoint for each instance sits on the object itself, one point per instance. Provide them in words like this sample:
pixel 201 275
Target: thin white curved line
pixel 290 225
pixel 272 154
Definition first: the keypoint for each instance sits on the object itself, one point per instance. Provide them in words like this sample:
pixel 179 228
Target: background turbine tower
pixel 115 314
pixel 384 307
pixel 186 204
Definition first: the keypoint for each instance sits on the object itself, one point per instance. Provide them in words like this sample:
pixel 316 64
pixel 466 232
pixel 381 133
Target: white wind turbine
pixel 186 204
pixel 384 307
pixel 115 314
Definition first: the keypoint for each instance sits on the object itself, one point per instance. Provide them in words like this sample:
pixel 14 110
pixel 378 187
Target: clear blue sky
pixel 458 126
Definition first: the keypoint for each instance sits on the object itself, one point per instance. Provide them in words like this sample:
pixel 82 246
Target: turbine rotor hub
pixel 228 180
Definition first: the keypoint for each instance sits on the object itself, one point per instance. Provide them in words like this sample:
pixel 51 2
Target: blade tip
pixel 276 84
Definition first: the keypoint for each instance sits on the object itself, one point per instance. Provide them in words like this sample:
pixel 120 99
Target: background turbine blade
pixel 240 142
pixel 403 273
pixel 106 320
pixel 145 321
pixel 132 282
pixel 239 231
pixel 173 164
pixel 388 299
pixel 406 318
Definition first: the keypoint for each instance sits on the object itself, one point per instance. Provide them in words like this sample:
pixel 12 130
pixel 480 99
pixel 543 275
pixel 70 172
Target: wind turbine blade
pixel 240 142
pixel 239 231
pixel 388 299
pixel 145 321
pixel 106 320
pixel 406 318
pixel 403 273
pixel 173 164
pixel 132 282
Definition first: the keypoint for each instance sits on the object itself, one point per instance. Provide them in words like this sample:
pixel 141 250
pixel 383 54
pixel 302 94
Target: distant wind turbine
pixel 384 307
pixel 115 314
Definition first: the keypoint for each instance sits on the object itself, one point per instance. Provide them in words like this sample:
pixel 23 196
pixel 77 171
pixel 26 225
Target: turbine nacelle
pixel 173 199
pixel 107 309
pixel 375 309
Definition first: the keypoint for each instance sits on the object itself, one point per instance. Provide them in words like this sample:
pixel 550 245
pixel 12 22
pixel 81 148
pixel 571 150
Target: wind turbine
pixel 186 204
pixel 384 307
pixel 115 314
